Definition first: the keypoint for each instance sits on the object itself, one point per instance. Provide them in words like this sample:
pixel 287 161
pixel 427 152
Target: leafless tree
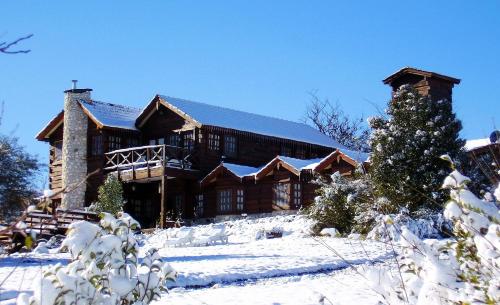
pixel 331 120
pixel 7 47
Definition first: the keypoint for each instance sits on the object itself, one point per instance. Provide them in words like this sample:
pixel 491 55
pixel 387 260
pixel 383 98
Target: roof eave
pixel 409 70
pixel 44 134
pixel 154 106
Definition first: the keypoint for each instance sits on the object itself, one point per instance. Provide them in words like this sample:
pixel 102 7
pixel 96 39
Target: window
pixel 281 194
pixel 114 143
pixel 230 146
pixel 240 200
pixel 57 150
pixel 300 153
pixel 160 141
pixel 152 142
pixel 286 151
pixel 133 142
pixel 199 205
pixel 297 195
pixel 96 146
pixel 224 200
pixel 213 141
pixel 188 141
pixel 174 140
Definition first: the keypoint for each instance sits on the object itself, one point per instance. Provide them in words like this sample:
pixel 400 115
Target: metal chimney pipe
pixel 74 83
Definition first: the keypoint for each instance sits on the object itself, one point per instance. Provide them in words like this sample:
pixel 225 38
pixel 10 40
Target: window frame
pixel 297 194
pixel 281 194
pixel 200 205
pixel 213 142
pixel 224 200
pixel 188 141
pixel 240 200
pixel 230 146
pixel 114 142
pixel 174 139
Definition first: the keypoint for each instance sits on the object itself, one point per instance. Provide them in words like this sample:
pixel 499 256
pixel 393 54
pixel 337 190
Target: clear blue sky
pixel 257 56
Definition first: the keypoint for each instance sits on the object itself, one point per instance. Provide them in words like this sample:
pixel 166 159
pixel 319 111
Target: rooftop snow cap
pixel 435 85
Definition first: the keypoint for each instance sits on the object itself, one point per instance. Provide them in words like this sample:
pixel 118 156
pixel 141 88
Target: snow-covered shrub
pixel 345 204
pixel 429 226
pixel 464 270
pixel 104 268
pixel 330 208
pixel 110 196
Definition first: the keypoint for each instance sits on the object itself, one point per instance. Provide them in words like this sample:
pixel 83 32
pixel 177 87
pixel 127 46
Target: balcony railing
pixel 151 156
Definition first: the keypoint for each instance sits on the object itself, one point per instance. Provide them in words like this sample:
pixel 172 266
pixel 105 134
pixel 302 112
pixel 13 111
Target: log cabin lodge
pixel 182 158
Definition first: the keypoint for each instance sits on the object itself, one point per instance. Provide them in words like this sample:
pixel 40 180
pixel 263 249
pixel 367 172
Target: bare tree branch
pixel 330 120
pixel 5 46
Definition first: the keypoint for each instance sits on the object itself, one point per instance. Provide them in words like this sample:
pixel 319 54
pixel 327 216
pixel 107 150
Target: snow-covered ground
pixel 294 269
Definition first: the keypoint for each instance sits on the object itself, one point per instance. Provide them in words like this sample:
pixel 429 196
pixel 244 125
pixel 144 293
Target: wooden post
pixel 163 201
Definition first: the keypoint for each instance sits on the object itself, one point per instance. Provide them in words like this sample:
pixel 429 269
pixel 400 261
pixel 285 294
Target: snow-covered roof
pixel 206 114
pixel 357 156
pixel 112 115
pixel 240 170
pixel 473 144
pixel 301 164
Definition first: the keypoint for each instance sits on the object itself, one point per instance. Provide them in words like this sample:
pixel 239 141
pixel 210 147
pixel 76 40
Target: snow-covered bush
pixel 429 226
pixel 110 196
pixel 104 268
pixel 330 208
pixel 464 270
pixel 346 204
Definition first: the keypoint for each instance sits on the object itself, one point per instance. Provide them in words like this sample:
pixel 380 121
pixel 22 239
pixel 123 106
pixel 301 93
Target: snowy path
pixel 205 266
pixel 338 287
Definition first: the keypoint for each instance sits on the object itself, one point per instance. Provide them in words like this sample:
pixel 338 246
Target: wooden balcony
pixel 150 163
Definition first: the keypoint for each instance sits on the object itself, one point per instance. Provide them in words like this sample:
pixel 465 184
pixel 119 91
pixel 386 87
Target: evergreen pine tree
pixel 18 172
pixel 110 196
pixel 406 147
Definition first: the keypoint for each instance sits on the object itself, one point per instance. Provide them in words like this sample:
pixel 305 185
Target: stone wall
pixel 74 151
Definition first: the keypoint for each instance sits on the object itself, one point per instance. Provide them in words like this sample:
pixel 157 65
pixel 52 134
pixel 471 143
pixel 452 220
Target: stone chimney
pixel 74 150
pixel 432 84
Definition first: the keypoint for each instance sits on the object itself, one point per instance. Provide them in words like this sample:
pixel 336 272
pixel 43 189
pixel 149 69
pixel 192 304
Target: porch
pixel 159 182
